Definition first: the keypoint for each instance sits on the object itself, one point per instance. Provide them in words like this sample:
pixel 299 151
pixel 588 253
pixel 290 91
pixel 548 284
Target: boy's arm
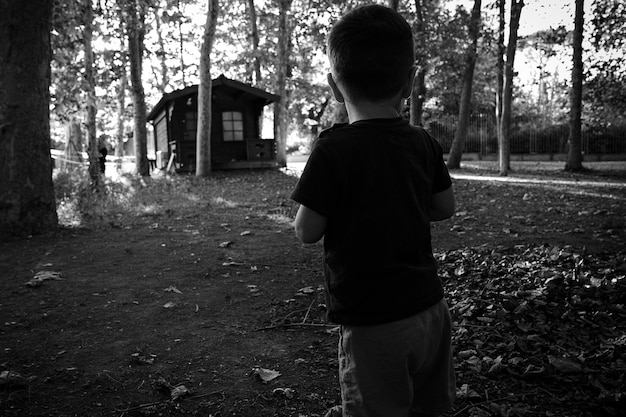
pixel 310 226
pixel 442 205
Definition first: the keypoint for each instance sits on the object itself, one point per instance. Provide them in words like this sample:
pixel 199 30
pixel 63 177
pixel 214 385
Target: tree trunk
pixel 136 30
pixel 90 92
pixel 255 76
pixel 181 42
pixel 72 157
pixel 500 65
pixel 575 155
pixel 281 108
pixel 27 203
pixel 161 54
pixel 418 95
pixel 121 107
pixel 504 142
pixel 203 133
pixel 458 145
pixel 121 94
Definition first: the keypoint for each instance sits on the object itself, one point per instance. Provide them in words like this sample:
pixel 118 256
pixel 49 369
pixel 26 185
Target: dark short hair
pixel 371 52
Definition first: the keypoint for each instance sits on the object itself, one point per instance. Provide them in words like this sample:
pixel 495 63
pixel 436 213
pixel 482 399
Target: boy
pixel 371 188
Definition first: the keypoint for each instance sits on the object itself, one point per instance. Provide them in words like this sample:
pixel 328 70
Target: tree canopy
pixel 246 48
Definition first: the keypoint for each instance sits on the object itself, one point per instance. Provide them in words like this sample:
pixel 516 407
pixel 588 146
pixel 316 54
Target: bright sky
pixel 542 14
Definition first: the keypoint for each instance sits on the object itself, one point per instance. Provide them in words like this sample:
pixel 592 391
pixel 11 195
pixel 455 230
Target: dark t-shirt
pixel 373 181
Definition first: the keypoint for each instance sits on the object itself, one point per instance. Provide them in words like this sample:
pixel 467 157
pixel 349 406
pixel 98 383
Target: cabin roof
pixel 217 82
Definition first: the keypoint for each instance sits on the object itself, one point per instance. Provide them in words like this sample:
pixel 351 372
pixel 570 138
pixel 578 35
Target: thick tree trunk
pixel 136 29
pixel 281 108
pixel 90 92
pixel 255 71
pixel 458 145
pixel 27 203
pixel 500 65
pixel 504 150
pixel 203 133
pixel 575 154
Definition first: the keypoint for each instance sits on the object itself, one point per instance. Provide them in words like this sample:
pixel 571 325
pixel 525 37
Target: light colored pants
pixel 398 369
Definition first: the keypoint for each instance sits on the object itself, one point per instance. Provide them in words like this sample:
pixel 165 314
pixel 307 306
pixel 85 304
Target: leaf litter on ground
pixel 41 276
pixel 537 321
pixel 538 329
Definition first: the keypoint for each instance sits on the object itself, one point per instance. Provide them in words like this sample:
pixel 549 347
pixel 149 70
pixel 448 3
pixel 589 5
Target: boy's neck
pixel 369 110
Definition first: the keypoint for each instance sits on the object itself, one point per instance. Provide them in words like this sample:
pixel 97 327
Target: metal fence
pixel 526 139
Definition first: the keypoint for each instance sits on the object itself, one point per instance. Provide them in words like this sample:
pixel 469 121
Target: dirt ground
pixel 192 297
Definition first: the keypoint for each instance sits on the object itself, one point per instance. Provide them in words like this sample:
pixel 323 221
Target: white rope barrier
pixel 68 161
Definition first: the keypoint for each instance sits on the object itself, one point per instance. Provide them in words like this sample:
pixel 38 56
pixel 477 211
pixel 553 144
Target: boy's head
pixel 371 52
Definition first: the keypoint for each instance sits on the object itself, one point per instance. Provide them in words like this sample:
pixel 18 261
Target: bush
pixel 528 138
pixel 609 139
pixel 481 135
pixel 80 204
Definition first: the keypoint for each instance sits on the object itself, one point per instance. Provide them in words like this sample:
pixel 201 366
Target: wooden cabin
pixel 237 116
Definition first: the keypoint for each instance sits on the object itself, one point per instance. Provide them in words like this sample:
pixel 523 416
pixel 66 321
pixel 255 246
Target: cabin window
pixel 232 124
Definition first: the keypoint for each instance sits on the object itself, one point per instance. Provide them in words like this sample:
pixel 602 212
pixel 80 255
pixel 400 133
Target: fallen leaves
pixel 526 317
pixel 9 379
pixel 42 276
pixel 537 317
pixel 264 374
pixel 172 288
pixel 565 366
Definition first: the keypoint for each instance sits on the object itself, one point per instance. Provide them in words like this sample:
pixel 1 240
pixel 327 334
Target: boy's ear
pixel 334 88
pixel 408 87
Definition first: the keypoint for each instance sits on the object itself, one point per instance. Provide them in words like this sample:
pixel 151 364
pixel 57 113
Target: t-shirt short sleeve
pixel 315 188
pixel 441 178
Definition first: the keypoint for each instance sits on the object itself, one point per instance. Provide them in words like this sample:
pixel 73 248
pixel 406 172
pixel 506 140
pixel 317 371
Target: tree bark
pixel 203 133
pixel 90 93
pixel 255 77
pixel 161 54
pixel 27 202
pixel 458 144
pixel 418 95
pixel 181 42
pixel 136 30
pixel 504 142
pixel 500 64
pixel 121 105
pixel 574 154
pixel 281 108
pixel 72 157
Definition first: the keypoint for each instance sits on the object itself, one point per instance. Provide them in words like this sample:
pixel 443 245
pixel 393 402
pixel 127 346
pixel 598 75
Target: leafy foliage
pixel 174 29
pixel 67 68
pixel 605 80
pixel 609 24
